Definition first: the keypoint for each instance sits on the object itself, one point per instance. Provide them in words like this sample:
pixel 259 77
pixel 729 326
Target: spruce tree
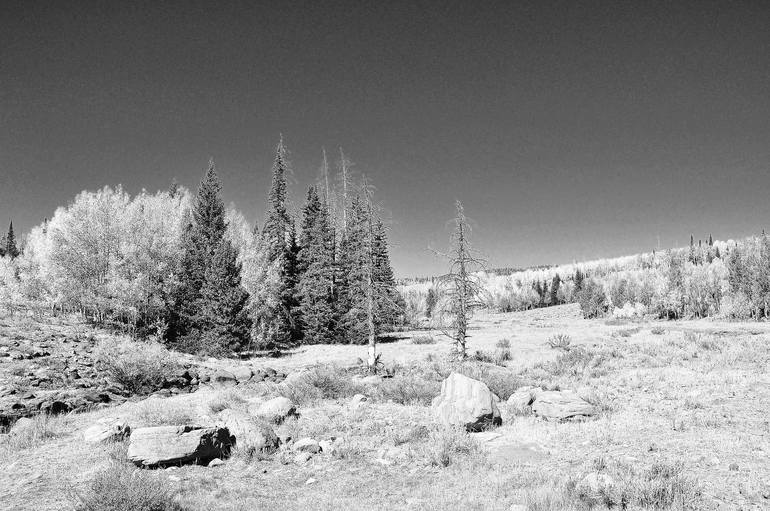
pixel 209 315
pixel 315 265
pixel 353 278
pixel 555 283
pixel 275 311
pixel 389 302
pixel 11 250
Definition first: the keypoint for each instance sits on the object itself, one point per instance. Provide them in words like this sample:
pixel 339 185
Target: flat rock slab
pixel 507 451
pixel 560 405
pixel 107 429
pixel 176 445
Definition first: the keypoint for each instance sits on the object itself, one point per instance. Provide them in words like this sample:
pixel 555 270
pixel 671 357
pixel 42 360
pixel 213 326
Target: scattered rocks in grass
pixel 307 445
pixel 107 429
pixel 171 445
pixel 250 432
pixel 466 403
pixel 561 405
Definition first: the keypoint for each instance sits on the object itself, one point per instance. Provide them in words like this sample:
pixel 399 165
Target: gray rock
pixel 306 445
pixel 107 429
pixel 223 377
pixel 22 426
pixel 250 432
pixel 302 458
pixel 561 405
pixel 276 409
pixel 242 374
pixel 466 403
pixel 358 401
pixel 215 463
pixel 173 445
pixel 520 401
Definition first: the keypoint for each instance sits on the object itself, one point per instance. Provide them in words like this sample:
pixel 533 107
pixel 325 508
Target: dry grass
pixel 681 409
pixel 122 487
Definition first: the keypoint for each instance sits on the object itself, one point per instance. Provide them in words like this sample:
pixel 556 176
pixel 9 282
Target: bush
pixel 446 445
pixel 121 487
pixel 424 339
pixel 560 342
pixel 141 367
pixel 408 390
pixel 320 382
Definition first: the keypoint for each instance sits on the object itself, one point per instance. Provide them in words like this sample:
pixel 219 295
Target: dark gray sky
pixel 570 130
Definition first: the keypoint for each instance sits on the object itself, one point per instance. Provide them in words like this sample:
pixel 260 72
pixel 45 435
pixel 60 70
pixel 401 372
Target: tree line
pixel 180 267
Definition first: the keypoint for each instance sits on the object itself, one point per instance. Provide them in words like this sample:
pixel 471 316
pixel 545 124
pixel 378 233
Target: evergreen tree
pixel 691 255
pixel 209 307
pixel 315 265
pixel 555 283
pixel 274 306
pixel 353 277
pixel 11 250
pixel 578 279
pixel 389 302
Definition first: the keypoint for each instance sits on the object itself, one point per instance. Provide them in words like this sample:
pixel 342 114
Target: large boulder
pixel 174 445
pixel 107 429
pixel 250 432
pixel 466 403
pixel 276 409
pixel 560 405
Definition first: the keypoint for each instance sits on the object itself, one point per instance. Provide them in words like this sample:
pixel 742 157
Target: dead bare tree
pixel 461 288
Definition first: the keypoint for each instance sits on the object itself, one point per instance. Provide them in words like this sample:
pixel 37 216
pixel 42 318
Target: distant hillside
pixel 725 278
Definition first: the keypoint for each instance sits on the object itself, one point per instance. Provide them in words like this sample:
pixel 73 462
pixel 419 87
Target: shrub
pixel 320 382
pixel 121 487
pixel 141 367
pixel 503 344
pixel 423 339
pixel 408 390
pixel 446 445
pixel 560 342
pixel 737 307
pixel 625 332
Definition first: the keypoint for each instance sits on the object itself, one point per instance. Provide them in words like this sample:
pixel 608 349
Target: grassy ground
pixel 683 425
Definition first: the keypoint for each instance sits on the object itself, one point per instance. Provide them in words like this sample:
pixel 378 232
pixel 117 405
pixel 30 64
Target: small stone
pixel 302 457
pixel 306 445
pixel 216 462
pixel 734 467
pixel 358 401
pixel 326 446
pixel 310 481
pixel 242 374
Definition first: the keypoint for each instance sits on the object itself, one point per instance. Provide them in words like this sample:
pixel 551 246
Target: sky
pixel 570 130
